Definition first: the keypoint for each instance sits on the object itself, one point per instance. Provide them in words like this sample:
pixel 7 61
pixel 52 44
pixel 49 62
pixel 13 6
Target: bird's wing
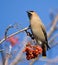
pixel 44 32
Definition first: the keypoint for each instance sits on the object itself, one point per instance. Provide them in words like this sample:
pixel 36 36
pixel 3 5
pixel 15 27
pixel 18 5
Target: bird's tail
pixel 44 47
pixel 44 50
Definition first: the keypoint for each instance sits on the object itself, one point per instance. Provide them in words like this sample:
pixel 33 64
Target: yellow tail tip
pixel 44 56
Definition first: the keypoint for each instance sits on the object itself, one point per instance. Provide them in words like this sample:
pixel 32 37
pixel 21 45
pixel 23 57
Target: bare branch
pixel 7 58
pixel 47 63
pixel 19 55
pixel 33 60
pixel 14 34
pixel 52 27
pixel 55 60
pixel 52 39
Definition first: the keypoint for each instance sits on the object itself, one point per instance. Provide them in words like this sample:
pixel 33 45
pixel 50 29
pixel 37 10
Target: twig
pixel 47 63
pixel 19 55
pixel 14 34
pixel 10 26
pixel 52 39
pixel 33 60
pixel 54 60
pixel 53 27
pixel 1 41
pixel 6 59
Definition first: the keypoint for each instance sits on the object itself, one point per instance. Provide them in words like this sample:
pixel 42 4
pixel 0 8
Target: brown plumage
pixel 38 30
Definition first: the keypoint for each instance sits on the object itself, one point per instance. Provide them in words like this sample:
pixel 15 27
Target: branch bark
pixel 6 59
pixel 19 55
pixel 52 29
pixel 1 41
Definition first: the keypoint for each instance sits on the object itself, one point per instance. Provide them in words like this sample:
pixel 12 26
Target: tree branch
pixel 52 29
pixel 54 60
pixel 20 53
pixel 1 41
pixel 52 39
pixel 6 59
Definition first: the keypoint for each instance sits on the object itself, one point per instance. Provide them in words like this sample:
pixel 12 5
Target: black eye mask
pixel 29 15
pixel 31 11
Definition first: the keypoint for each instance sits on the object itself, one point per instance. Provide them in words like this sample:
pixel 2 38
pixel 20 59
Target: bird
pixel 38 31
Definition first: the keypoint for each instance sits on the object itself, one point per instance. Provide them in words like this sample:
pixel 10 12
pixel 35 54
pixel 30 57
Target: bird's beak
pixel 28 12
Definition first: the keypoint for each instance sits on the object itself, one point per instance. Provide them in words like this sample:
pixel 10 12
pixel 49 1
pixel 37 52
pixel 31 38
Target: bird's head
pixel 31 14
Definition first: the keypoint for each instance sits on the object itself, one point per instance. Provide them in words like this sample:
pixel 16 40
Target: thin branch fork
pixel 14 34
pixel 53 27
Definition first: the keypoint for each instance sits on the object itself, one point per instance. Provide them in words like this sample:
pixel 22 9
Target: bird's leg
pixel 30 34
pixel 29 26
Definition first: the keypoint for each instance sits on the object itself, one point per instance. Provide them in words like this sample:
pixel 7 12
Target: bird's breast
pixel 37 31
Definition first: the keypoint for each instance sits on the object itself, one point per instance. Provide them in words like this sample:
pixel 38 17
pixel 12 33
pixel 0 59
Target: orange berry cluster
pixel 32 51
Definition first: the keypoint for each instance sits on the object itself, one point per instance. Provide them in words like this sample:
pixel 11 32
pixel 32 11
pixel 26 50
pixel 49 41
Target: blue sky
pixel 12 11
